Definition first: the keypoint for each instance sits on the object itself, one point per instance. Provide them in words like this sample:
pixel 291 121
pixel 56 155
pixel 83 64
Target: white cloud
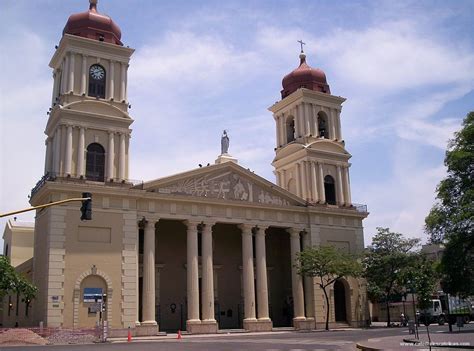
pixel 25 95
pixel 394 57
pixel 403 200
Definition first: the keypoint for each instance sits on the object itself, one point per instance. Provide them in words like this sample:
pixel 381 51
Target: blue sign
pixel 92 294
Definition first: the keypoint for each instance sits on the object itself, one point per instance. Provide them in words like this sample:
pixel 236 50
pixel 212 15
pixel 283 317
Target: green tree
pixel 327 264
pixel 421 277
pixel 11 282
pixel 384 262
pixel 451 220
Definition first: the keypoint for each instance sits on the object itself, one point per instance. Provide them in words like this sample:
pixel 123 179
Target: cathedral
pixel 209 249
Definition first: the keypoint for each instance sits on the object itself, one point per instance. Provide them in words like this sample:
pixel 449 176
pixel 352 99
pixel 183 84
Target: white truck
pixel 447 309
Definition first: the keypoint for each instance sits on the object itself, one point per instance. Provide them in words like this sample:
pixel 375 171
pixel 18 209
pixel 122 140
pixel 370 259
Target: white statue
pixel 224 143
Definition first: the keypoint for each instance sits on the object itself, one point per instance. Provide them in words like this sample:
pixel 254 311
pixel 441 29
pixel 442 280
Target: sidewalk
pixel 463 340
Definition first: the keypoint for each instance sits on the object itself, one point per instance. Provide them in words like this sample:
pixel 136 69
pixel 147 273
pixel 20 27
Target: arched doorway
pixel 93 291
pixel 340 301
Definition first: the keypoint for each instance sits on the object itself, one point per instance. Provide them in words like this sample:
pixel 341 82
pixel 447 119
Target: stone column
pixel 64 75
pixel 315 121
pixel 123 68
pixel 298 124
pixel 283 179
pixel 278 178
pixel 81 152
pixel 302 180
pixel 47 162
pixel 340 195
pixel 297 180
pixel 333 123
pixel 308 283
pixel 347 183
pixel 207 277
pixel 262 285
pixel 141 225
pixel 55 83
pixel 192 274
pixel 322 194
pixel 314 181
pixel 283 133
pixel 122 157
pixel 57 145
pixel 68 157
pixel 248 275
pixel 309 192
pixel 125 84
pixel 148 292
pixel 111 80
pixel 338 125
pixel 83 75
pixel 307 108
pixel 110 157
pixel 71 72
pixel 278 131
pixel 296 279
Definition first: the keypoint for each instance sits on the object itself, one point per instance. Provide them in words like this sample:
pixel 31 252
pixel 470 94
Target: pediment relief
pixel 96 107
pixel 227 184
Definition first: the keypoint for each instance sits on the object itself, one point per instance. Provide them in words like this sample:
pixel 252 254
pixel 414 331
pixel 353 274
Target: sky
pixel 405 67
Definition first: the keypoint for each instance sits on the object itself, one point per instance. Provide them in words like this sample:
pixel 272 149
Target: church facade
pixel 212 248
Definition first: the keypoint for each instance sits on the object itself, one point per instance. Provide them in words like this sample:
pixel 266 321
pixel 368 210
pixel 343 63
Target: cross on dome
pixel 301 43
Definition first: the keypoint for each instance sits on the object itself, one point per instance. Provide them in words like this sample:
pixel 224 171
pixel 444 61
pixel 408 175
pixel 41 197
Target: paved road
pixel 279 341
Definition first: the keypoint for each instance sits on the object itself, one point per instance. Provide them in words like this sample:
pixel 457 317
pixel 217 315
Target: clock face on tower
pixel 97 72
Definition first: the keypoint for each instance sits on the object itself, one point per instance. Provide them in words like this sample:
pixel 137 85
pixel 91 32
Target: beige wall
pixel 97 242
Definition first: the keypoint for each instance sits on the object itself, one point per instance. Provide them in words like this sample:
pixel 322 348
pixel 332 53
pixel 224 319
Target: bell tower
pixel 88 129
pixel 311 160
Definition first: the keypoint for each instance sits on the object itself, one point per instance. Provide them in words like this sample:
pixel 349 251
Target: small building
pixel 18 242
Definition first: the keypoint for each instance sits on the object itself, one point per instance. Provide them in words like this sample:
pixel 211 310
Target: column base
pixel 147 330
pixel 201 327
pixel 302 323
pixel 258 325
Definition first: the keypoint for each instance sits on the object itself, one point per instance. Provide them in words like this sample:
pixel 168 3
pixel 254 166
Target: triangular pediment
pixel 227 181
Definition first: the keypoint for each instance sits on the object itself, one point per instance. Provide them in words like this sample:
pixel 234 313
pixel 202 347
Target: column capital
pixel 144 222
pixel 246 228
pixel 207 226
pixel 295 231
pixel 192 223
pixel 260 229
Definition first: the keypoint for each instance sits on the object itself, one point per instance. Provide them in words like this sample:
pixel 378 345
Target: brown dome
pixel 304 77
pixel 93 25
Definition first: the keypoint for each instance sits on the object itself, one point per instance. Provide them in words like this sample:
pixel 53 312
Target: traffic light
pixel 86 208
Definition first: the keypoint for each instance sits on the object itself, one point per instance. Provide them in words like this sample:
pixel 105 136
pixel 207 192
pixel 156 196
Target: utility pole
pixel 86 207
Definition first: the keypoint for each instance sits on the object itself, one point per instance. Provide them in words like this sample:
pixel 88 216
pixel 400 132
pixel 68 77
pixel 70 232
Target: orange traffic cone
pixel 179 335
pixel 129 336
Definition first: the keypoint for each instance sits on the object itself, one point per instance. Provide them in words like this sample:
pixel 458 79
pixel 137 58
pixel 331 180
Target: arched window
pixel 323 125
pixel 290 130
pixel 95 163
pixel 97 81
pixel 330 190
